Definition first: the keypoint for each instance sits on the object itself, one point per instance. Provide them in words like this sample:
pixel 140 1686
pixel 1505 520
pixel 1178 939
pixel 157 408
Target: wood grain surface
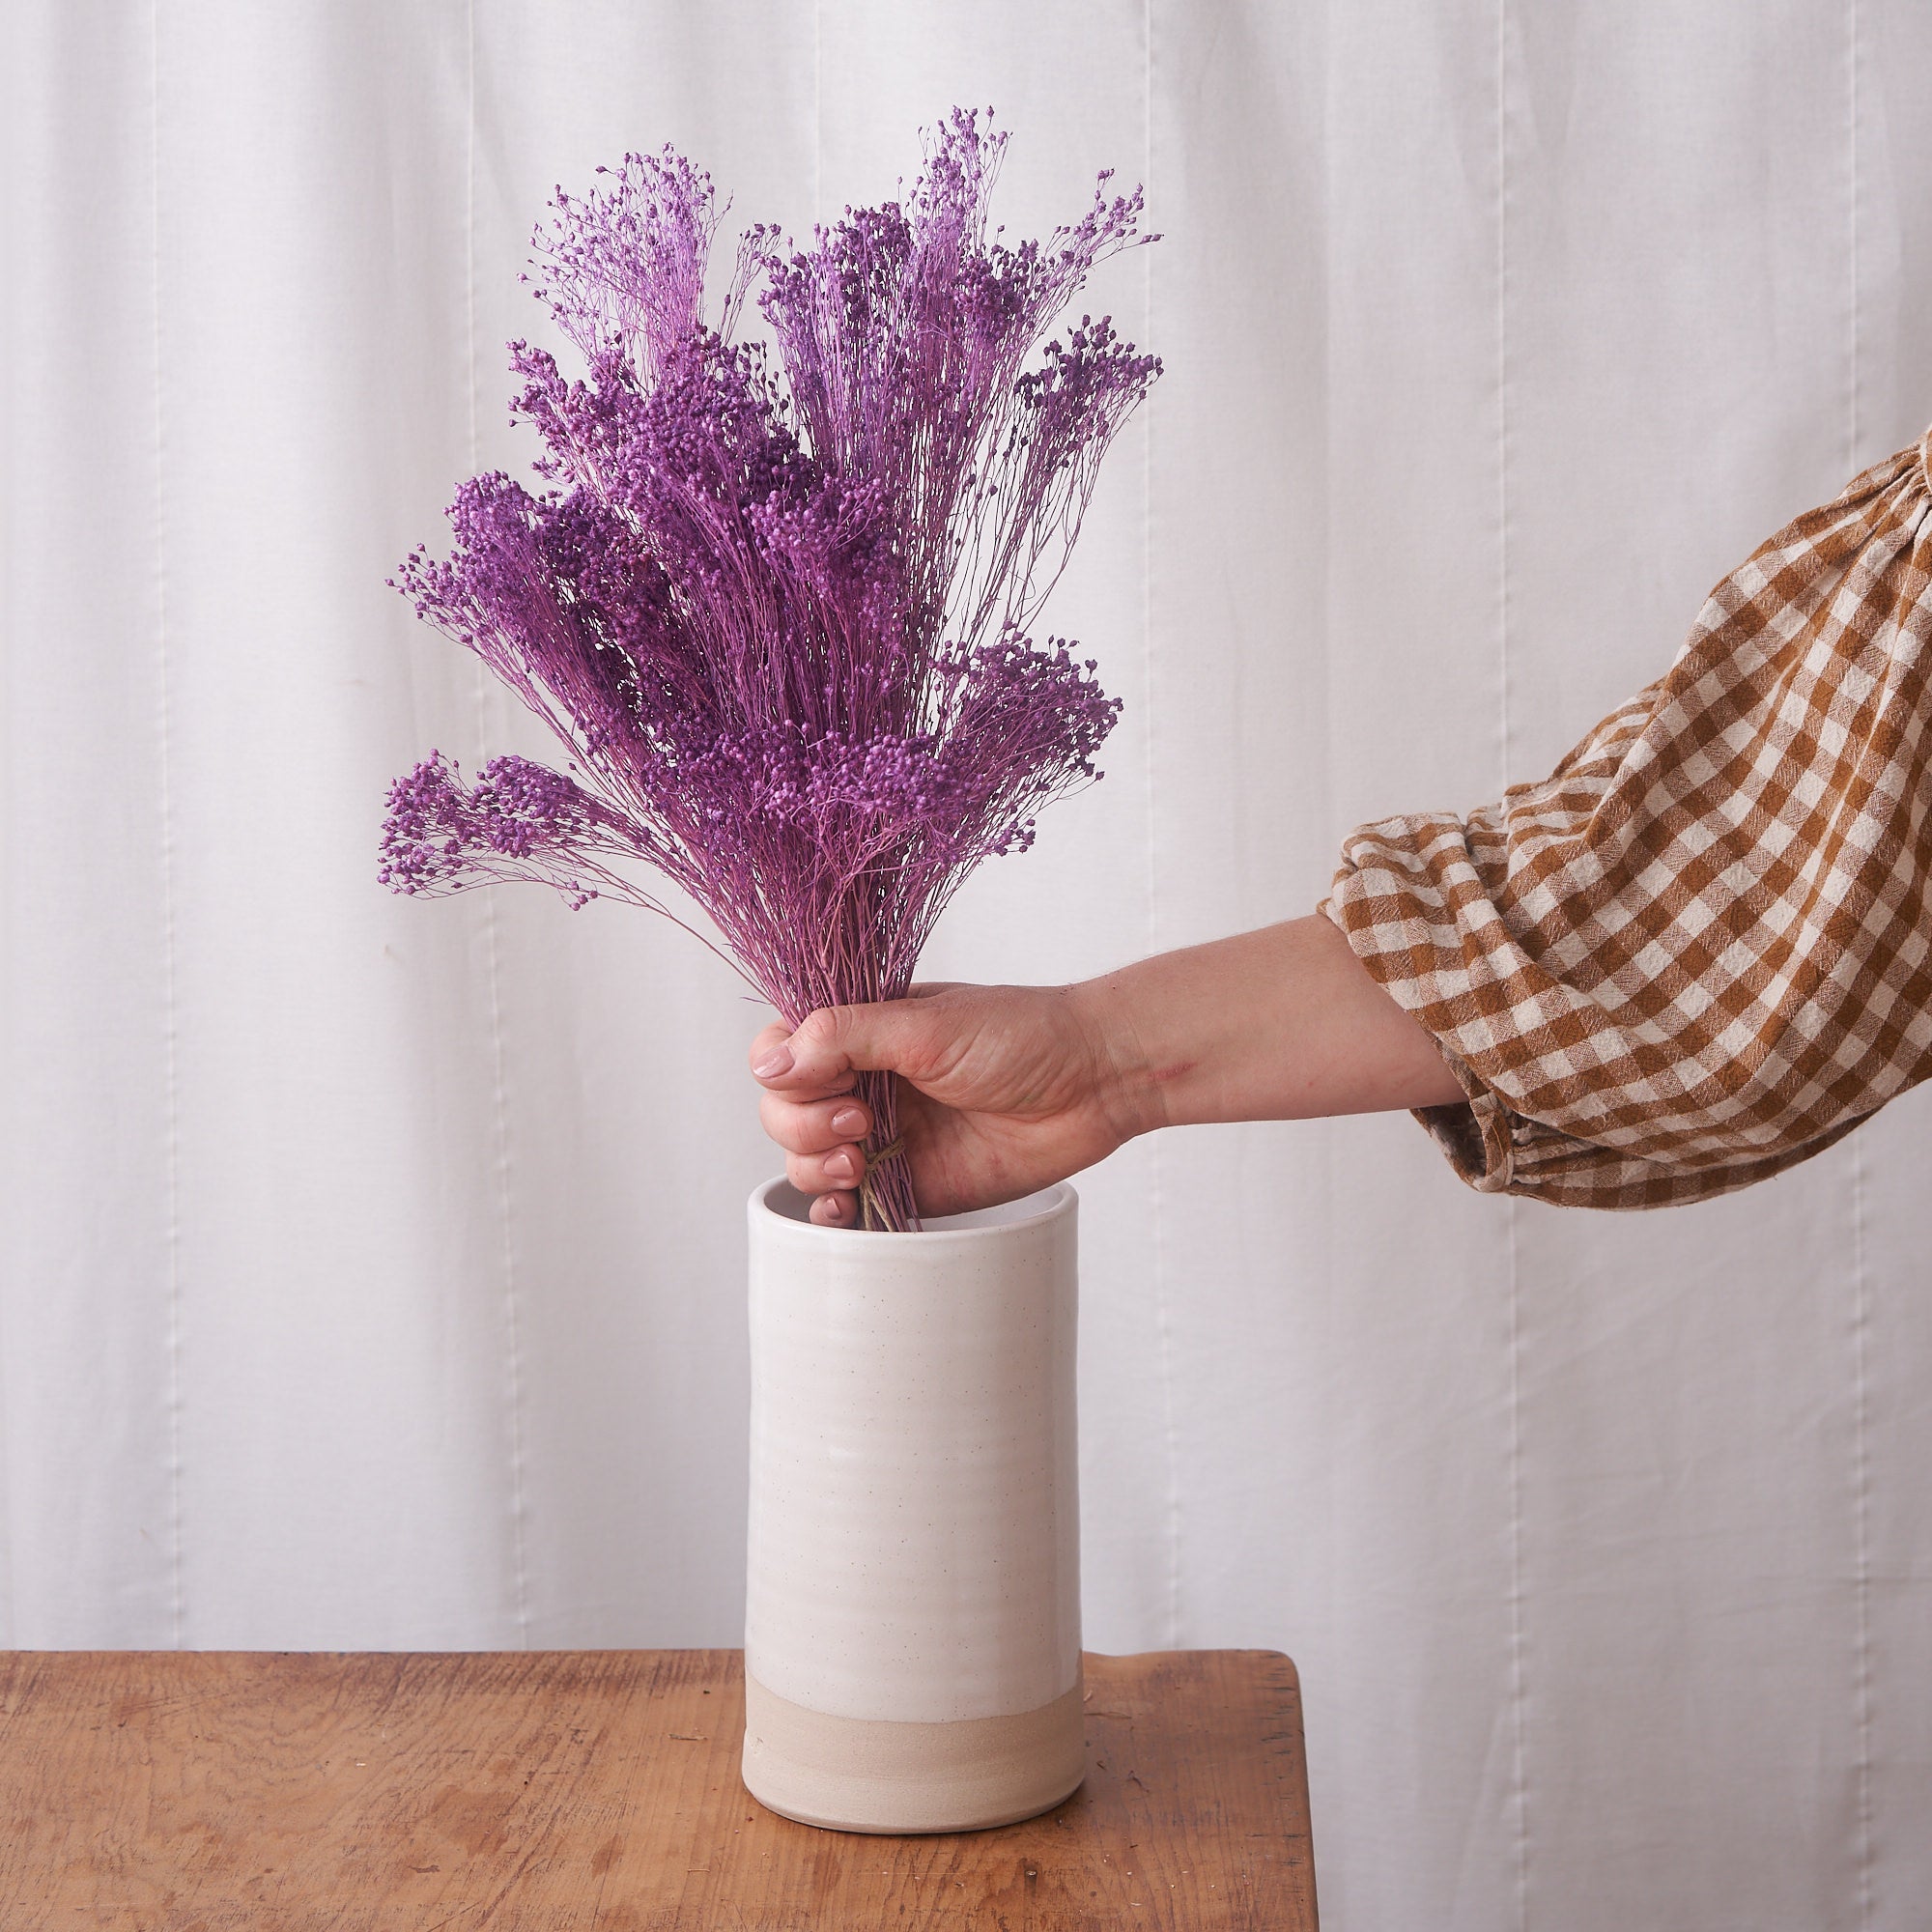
pixel 567 1790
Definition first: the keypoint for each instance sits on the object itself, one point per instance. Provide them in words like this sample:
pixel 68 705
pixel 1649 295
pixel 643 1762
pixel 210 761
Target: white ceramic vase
pixel 912 1623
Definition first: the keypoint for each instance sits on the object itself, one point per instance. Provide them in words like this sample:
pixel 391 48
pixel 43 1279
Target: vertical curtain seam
pixel 1163 1318
pixel 1517 1650
pixel 1861 1661
pixel 493 952
pixel 170 1026
pixel 1865 1888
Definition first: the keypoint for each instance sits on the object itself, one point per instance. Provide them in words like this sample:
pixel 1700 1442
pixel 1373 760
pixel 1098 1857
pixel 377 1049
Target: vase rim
pixel 1046 1203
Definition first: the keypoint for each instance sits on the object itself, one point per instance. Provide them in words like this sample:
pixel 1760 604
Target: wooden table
pixel 199 1791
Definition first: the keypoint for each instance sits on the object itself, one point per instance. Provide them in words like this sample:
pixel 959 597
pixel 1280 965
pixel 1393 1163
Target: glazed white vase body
pixel 912 1625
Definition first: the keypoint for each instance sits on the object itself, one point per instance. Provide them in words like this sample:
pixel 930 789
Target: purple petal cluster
pixel 772 596
pixel 518 822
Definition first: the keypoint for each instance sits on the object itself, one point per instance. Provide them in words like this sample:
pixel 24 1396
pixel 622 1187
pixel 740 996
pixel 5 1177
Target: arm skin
pixel 1007 1089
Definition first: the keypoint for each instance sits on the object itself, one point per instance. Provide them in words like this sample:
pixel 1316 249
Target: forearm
pixel 1277 1025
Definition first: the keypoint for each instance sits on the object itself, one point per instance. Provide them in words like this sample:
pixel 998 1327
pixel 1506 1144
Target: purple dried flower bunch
pixel 773 597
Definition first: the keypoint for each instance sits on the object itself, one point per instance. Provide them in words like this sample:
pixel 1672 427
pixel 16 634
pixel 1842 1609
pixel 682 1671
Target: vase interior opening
pixel 782 1198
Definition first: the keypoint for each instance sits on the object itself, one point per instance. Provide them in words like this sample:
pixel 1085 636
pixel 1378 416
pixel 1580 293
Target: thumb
pixel 832 1043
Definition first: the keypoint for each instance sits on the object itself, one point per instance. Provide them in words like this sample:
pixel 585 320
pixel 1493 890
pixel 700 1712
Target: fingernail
pixel 848 1121
pixel 842 1165
pixel 835 1207
pixel 778 1060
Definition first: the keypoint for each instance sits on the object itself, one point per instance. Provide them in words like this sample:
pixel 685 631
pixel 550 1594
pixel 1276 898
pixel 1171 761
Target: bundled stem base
pixel 886 1199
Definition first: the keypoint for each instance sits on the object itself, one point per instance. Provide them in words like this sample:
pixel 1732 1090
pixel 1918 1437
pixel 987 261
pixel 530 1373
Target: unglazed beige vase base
pixel 872 1774
pixel 913 1540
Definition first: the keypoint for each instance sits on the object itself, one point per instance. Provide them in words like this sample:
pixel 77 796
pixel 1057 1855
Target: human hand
pixel 1003 1090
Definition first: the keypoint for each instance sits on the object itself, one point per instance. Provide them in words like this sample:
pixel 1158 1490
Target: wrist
pixel 1124 1080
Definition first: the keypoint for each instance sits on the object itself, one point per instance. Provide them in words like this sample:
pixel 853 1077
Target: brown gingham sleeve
pixel 1698 953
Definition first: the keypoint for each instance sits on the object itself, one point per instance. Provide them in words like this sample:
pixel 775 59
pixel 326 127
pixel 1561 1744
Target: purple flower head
pixel 518 822
pixel 773 601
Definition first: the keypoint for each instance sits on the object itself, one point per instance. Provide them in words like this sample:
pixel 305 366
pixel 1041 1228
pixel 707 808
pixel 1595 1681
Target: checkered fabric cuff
pixel 1701 950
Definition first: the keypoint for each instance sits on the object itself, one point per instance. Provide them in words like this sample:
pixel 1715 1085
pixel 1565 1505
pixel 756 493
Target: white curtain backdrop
pixel 373 1271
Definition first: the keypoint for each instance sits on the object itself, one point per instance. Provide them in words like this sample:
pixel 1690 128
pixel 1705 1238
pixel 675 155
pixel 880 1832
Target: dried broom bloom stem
pixel 774 600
